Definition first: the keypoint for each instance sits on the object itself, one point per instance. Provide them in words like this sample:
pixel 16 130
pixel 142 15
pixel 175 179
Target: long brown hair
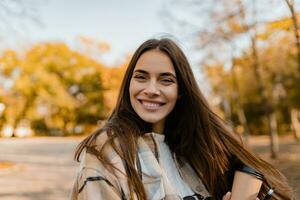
pixel 192 131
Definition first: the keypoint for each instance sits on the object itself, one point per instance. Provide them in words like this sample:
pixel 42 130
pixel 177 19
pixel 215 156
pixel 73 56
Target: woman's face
pixel 153 87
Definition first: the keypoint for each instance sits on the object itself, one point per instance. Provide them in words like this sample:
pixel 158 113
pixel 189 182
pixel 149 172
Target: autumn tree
pixel 226 30
pixel 54 87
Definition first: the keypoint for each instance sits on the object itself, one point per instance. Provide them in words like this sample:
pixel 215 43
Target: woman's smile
pixel 151 106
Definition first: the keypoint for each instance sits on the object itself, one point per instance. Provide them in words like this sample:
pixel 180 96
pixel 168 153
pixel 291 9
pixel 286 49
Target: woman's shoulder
pixel 101 156
pixel 102 139
pixel 102 147
pixel 96 169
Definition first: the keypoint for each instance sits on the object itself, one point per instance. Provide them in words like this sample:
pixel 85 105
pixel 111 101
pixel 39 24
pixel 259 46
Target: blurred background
pixel 62 63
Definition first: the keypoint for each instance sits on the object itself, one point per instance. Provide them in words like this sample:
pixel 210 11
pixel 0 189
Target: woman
pixel 163 141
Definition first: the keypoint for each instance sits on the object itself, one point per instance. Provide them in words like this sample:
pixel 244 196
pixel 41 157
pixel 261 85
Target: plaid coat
pixel 96 182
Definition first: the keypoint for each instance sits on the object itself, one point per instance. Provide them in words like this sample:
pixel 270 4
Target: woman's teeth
pixel 151 105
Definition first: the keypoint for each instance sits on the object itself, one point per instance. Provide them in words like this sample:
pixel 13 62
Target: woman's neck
pixel 158 127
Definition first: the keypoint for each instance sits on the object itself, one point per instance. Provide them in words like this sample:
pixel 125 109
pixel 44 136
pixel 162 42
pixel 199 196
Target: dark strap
pixel 248 170
pixel 195 197
pixel 100 178
pixel 96 178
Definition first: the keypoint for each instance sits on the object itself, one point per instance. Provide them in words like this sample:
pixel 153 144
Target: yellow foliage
pixel 235 26
pixel 284 24
pixel 112 78
pixel 8 60
pixel 56 84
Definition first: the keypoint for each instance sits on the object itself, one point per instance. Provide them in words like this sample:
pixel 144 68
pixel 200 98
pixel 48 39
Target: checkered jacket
pixel 95 182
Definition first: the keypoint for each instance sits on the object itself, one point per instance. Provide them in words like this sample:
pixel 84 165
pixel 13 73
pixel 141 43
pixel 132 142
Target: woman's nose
pixel 152 89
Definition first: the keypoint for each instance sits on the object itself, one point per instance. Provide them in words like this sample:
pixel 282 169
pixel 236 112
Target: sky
pixel 123 24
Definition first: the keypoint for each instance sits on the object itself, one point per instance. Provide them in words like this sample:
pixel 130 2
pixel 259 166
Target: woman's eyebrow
pixel 140 71
pixel 161 74
pixel 168 74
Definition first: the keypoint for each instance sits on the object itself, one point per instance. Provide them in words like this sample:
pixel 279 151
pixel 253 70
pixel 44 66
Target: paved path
pixel 288 161
pixel 43 169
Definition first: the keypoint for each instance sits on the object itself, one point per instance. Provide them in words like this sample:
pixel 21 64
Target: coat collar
pixel 154 178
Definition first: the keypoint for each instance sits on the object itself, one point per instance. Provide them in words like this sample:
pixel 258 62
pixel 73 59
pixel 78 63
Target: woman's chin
pixel 152 120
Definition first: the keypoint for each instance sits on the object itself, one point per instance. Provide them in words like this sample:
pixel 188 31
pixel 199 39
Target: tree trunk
pixel 228 113
pixel 274 144
pixel 243 121
pixel 294 111
pixel 240 111
pixel 267 106
pixel 295 123
pixel 22 115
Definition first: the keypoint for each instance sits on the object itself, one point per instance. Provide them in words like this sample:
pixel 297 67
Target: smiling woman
pixel 163 141
pixel 153 88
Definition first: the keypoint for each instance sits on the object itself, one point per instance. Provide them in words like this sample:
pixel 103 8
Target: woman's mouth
pixel 151 105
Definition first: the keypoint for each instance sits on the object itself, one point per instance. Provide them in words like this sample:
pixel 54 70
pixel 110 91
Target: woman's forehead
pixel 154 61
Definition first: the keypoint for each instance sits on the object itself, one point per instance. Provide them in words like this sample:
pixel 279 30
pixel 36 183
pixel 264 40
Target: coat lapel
pixel 154 179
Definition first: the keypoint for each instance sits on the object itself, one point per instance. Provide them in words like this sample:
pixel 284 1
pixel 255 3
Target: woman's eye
pixel 139 77
pixel 168 80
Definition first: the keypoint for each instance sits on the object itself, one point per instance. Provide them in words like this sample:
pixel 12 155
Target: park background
pixel 62 62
